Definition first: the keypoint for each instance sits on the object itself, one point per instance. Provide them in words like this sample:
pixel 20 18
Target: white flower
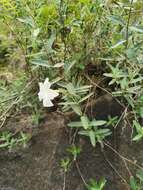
pixel 46 94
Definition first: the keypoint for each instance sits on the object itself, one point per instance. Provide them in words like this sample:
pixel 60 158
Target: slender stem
pixel 111 165
pixel 128 23
pixel 78 169
pixel 122 157
pixel 64 183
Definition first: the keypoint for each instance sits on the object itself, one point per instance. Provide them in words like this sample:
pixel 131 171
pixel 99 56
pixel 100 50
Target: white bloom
pixel 46 94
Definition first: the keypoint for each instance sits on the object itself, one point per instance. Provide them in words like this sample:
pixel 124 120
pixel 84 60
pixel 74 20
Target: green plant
pixel 139 106
pixel 91 129
pixel 94 185
pixel 112 121
pixel 139 131
pixel 74 94
pixel 127 84
pixel 8 140
pixel 133 184
pixel 75 151
pixel 65 164
pixel 23 139
pixel 5 139
pixel 136 183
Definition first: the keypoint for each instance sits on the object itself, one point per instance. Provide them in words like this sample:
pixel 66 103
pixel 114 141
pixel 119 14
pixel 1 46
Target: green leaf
pixel 45 63
pixel 137 126
pixel 85 122
pixel 133 183
pixel 116 19
pixel 57 65
pixel 103 132
pixel 77 109
pixel 68 66
pixel 75 124
pixel 102 183
pixel 137 137
pixel 118 44
pixel 3 145
pixel 134 90
pixel 83 88
pixel 28 21
pixel 140 175
pixel 139 79
pixel 96 123
pixel 84 132
pixel 136 29
pixel 48 44
pixel 67 103
pixel 71 89
pixel 112 81
pixel 141 111
pixel 86 97
pixel 92 137
pixel 41 62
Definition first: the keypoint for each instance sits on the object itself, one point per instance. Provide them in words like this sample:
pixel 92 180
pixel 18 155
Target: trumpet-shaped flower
pixel 46 94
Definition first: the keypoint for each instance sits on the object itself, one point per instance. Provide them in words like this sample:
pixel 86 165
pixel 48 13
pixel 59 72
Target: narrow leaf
pixel 85 122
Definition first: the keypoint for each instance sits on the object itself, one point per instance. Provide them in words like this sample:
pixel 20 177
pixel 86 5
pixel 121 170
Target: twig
pixel 122 157
pixel 78 169
pixel 122 116
pixel 64 183
pixel 103 89
pixel 111 165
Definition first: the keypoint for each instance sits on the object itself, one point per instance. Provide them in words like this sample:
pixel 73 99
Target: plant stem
pixel 128 23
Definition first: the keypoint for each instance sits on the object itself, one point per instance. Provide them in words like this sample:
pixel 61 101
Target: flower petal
pixel 40 95
pixel 47 83
pixel 40 85
pixel 52 94
pixel 47 102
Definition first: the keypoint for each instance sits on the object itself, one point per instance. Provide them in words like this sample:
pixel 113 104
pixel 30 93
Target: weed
pixel 91 129
pixel 65 164
pixel 75 151
pixel 94 185
pixel 8 140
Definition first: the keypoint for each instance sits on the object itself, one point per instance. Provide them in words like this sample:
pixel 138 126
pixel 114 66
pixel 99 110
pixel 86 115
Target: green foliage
pixel 133 184
pixel 65 164
pixel 94 185
pixel 127 83
pixel 139 131
pixel 136 183
pixel 73 95
pixel 75 151
pixel 14 93
pixel 91 129
pixel 8 140
pixel 112 121
pixel 35 117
